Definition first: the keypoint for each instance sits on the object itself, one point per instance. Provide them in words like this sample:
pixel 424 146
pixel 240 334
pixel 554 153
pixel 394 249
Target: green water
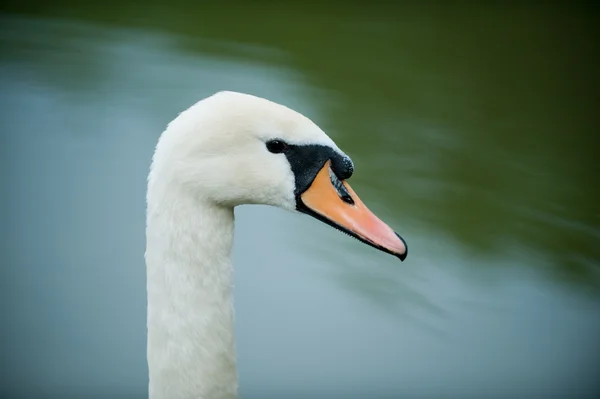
pixel 472 130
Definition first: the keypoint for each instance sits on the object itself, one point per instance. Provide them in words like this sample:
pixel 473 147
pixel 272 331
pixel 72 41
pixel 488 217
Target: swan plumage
pixel 227 150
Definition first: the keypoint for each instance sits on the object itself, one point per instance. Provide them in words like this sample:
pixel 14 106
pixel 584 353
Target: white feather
pixel 211 158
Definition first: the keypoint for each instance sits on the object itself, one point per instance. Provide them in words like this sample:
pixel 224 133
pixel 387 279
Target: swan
pixel 226 150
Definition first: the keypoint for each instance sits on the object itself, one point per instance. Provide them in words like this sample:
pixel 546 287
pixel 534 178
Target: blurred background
pixel 473 132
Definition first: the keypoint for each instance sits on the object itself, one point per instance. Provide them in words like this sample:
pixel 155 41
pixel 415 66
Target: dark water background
pixel 473 130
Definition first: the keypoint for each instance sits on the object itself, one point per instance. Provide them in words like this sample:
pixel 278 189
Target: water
pixel 472 136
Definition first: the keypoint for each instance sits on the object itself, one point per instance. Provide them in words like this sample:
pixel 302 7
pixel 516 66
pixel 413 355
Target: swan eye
pixel 277 146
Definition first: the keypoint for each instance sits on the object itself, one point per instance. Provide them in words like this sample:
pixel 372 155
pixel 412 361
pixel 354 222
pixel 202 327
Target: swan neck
pixel 191 350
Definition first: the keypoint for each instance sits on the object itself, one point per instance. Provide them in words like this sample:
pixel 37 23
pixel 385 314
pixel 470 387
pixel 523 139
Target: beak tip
pixel 402 256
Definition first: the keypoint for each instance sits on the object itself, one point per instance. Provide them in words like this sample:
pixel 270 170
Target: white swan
pixel 226 150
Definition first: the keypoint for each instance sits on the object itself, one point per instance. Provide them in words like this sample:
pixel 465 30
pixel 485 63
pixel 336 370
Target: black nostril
pixel 347 199
pixel 340 188
pixel 342 167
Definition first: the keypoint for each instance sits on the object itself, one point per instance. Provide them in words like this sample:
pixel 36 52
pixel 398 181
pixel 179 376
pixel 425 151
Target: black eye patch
pixel 307 160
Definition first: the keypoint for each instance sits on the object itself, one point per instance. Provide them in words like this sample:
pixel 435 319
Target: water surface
pixel 471 136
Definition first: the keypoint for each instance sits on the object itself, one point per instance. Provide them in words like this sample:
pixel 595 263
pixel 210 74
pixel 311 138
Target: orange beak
pixel 335 203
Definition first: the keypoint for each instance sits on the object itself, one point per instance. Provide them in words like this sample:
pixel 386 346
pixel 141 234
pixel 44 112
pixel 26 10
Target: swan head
pixel 232 149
